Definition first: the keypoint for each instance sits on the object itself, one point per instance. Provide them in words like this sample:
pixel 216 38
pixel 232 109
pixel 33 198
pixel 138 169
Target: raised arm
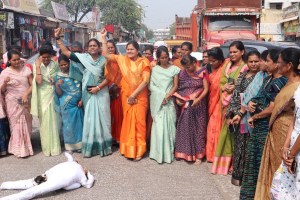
pixel 63 48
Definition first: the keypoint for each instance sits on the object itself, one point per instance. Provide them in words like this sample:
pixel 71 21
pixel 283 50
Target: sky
pixel 161 13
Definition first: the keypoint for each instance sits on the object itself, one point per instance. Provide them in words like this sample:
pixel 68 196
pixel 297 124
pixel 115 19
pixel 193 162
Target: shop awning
pixel 289 19
pixel 53 19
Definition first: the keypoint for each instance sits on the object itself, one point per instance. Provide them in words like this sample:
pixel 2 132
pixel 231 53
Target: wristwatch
pixel 57 38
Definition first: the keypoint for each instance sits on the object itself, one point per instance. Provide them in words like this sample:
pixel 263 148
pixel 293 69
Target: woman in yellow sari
pixel 281 119
pixel 132 74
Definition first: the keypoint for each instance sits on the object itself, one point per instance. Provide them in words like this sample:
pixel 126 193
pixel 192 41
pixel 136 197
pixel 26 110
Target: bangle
pixel 38 74
pixel 98 87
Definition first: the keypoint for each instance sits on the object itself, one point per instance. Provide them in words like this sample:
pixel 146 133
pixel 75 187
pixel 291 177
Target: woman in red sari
pixel 216 60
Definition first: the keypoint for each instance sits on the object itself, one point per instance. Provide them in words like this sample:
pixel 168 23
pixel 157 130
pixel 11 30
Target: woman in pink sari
pixel 15 83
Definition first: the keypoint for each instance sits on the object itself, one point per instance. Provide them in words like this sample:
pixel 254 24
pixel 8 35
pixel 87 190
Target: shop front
pixel 290 23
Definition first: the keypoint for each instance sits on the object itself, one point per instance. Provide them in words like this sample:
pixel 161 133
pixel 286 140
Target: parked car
pixel 122 47
pixel 260 46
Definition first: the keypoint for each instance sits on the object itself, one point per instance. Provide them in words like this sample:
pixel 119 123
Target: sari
pixel 133 73
pixel 250 93
pixel 224 150
pixel 190 140
pixel 214 114
pixel 279 124
pixel 240 136
pixel 286 186
pixel 43 106
pixel 96 139
pixel 19 117
pixel 164 116
pixel 267 93
pixel 177 62
pixel 71 114
pixel 116 109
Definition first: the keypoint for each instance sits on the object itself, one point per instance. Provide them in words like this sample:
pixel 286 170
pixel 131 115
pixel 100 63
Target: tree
pixel 128 13
pixel 149 32
pixel 173 29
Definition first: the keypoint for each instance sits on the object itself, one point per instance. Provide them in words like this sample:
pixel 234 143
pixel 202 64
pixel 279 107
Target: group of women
pixel 241 114
pixel 252 128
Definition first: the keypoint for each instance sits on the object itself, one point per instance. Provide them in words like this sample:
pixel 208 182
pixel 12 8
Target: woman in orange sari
pixel 132 75
pixel 115 100
pixel 216 59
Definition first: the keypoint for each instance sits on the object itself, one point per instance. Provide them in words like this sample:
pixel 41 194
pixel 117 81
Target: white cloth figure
pixel 67 175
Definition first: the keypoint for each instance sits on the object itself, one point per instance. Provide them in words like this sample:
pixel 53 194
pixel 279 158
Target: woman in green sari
pixel 233 67
pixel 42 101
pixel 163 84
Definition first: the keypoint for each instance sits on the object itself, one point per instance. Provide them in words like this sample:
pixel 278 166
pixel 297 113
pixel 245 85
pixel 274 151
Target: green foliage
pixel 128 13
pixel 173 29
pixel 149 32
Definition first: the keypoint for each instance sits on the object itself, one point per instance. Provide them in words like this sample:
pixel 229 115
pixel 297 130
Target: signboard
pixel 28 6
pixel 233 4
pixel 232 11
pixel 291 11
pixel 60 11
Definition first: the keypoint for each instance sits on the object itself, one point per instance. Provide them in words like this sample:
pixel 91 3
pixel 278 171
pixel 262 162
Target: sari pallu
pixel 96 139
pixel 223 153
pixel 43 106
pixel 19 117
pixel 72 115
pixel 133 133
pixel 267 93
pixel 164 116
pixel 240 137
pixel 214 114
pixel 190 140
pixel 279 125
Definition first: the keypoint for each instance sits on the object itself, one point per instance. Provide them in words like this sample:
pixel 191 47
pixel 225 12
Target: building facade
pixel 161 34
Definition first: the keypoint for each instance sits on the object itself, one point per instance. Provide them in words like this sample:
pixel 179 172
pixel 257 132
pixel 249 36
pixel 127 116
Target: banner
pixel 28 6
pixel 60 11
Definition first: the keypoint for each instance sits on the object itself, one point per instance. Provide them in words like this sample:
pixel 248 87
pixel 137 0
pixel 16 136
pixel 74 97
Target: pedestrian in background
pixel 16 87
pixel 234 66
pixel 135 75
pixel 216 60
pixel 96 139
pixel 192 105
pixel 69 105
pixel 163 84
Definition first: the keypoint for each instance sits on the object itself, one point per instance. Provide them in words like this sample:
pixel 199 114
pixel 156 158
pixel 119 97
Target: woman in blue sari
pixel 69 105
pixel 89 69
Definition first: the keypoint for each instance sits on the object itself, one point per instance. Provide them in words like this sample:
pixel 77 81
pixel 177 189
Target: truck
pixel 213 23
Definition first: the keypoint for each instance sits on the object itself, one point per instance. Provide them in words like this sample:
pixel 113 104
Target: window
pixel 230 23
pixel 277 6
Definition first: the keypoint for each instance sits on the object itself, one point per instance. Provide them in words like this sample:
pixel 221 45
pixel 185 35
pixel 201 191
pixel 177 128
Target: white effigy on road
pixel 67 175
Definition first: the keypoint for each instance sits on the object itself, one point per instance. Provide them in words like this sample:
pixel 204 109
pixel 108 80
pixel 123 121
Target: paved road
pixel 119 178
